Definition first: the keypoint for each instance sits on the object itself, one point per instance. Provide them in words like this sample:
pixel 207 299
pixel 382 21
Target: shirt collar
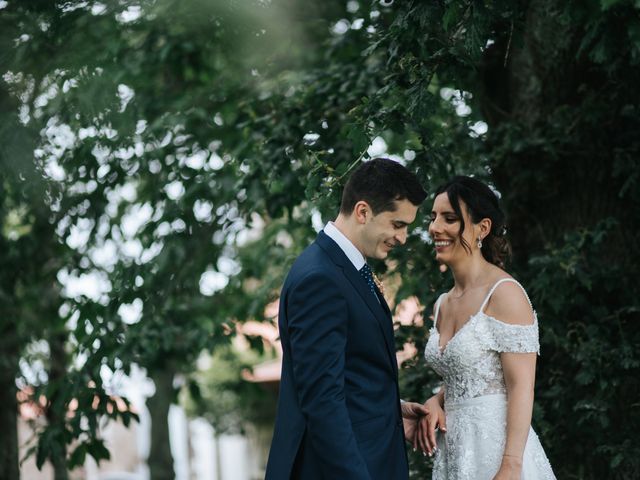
pixel 349 249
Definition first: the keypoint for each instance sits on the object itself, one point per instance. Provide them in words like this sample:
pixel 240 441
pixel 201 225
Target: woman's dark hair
pixel 481 203
pixel 380 182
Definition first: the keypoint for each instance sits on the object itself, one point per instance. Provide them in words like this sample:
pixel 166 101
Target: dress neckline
pixel 442 348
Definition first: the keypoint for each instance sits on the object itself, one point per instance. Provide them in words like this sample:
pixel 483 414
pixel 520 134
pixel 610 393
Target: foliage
pixel 253 114
pixel 595 345
pixel 230 405
pixel 135 146
pixel 554 82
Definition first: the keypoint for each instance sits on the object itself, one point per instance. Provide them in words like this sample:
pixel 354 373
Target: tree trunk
pixel 560 178
pixel 9 469
pixel 160 458
pixel 57 405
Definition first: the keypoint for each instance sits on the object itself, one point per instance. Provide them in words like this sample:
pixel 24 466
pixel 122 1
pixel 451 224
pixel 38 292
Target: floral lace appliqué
pixel 470 362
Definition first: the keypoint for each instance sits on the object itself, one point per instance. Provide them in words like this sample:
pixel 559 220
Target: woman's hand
pixel 510 468
pixel 427 425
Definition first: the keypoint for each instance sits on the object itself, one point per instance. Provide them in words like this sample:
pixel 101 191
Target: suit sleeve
pixel 317 326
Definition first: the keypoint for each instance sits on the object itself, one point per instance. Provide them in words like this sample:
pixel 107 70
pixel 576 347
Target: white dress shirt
pixel 349 249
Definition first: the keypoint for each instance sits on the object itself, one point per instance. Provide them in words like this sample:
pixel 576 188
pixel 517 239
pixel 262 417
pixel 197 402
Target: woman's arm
pixel 519 377
pixel 509 305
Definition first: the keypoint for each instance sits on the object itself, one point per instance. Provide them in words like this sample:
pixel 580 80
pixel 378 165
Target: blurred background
pixel 162 162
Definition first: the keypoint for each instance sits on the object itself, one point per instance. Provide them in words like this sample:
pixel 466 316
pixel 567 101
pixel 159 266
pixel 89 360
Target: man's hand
pixel 411 414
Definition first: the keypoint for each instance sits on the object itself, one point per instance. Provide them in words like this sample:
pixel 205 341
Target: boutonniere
pixel 378 283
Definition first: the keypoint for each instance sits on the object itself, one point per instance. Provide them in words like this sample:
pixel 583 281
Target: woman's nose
pixel 434 226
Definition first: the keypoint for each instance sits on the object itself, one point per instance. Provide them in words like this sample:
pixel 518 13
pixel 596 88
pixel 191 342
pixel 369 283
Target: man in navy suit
pixel 339 412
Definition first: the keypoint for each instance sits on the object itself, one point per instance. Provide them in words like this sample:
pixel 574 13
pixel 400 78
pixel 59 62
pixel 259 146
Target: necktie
pixel 367 274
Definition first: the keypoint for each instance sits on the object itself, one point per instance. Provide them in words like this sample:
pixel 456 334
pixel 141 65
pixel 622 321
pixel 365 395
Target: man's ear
pixel 362 211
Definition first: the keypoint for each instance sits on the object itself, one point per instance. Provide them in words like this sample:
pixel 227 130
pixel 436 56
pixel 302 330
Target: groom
pixel 339 413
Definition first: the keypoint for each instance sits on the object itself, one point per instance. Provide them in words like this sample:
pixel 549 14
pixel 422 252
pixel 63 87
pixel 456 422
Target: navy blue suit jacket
pixel 339 407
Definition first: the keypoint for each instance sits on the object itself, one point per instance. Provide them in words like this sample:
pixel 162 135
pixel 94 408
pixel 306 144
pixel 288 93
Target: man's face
pixel 386 230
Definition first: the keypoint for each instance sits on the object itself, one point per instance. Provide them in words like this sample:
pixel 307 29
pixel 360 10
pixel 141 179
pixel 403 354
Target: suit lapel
pixel 379 309
pixel 384 303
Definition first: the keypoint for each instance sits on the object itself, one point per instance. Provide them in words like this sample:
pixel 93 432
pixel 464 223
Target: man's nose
pixel 401 237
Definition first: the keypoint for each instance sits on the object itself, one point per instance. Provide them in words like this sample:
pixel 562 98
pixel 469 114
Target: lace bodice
pixel 470 362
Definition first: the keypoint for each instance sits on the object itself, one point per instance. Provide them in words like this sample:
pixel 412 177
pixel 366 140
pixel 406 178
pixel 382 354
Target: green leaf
pixel 98 451
pixel 78 456
pixel 358 138
pixel 607 4
pixel 452 15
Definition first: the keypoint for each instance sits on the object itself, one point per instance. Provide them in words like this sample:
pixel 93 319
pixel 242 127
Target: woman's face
pixel 444 230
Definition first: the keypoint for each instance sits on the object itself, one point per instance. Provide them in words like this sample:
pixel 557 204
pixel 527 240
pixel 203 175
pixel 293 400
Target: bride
pixel 484 344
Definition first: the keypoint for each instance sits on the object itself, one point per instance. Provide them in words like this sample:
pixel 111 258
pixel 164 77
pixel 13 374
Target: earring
pixel 479 242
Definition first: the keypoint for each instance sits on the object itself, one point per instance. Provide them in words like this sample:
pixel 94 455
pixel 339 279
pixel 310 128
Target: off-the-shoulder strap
pixel 496 285
pixel 498 336
pixel 437 309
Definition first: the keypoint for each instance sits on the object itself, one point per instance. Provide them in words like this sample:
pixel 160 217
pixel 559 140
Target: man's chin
pixel 381 255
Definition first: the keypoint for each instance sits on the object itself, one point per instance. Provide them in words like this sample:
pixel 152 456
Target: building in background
pixel 198 453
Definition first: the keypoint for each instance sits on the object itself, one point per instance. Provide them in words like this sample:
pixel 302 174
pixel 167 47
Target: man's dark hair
pixel 380 182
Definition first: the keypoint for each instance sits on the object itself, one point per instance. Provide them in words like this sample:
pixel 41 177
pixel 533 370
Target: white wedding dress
pixel 475 397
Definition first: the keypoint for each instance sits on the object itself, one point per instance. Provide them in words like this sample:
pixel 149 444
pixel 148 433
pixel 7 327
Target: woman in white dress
pixel 484 343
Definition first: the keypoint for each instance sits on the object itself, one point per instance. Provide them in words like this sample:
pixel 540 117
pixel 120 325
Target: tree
pixel 538 97
pixel 554 84
pixel 560 153
pixel 35 207
pixel 139 146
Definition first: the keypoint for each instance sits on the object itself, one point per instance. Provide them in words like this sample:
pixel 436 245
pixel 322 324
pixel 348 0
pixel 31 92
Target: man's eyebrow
pixel 448 212
pixel 401 222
